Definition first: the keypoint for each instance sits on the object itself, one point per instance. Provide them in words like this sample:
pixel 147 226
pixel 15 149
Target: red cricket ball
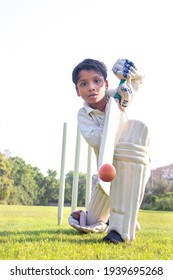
pixel 107 172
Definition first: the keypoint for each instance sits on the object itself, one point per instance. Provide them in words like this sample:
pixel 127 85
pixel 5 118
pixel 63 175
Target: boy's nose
pixel 91 87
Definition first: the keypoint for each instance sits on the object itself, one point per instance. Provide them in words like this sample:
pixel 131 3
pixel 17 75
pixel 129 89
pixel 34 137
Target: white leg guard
pixel 132 164
pixel 99 207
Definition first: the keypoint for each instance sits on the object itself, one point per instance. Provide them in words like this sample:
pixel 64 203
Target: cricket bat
pixel 114 120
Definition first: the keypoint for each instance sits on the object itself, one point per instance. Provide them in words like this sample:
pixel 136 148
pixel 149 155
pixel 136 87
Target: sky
pixel 41 41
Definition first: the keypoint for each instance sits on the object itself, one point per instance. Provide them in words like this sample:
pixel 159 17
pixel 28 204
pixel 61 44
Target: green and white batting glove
pixel 126 95
pixel 78 220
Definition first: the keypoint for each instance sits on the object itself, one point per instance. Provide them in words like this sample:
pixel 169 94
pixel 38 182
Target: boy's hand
pixel 125 94
pixel 124 69
pixel 78 220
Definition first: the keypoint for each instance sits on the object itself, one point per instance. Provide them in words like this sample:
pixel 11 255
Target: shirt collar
pixel 89 109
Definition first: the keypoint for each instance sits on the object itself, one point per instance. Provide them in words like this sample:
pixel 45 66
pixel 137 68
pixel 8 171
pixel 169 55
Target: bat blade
pixel 113 125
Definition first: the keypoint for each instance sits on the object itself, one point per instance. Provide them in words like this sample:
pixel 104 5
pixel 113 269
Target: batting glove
pixel 125 69
pixel 125 94
pixel 78 220
pixel 136 82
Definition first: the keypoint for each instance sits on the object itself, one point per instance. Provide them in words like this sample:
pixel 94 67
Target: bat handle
pixel 117 96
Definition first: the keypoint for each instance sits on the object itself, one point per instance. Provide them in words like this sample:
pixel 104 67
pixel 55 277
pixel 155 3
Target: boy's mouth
pixel 93 94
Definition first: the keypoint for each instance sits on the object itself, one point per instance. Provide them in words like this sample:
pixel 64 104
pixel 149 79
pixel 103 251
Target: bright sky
pixel 41 41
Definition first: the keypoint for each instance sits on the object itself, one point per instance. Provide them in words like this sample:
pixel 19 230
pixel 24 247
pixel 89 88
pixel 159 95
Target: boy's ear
pixel 106 84
pixel 77 91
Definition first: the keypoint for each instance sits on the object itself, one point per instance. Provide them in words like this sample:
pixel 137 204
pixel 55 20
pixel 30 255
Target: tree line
pixel 23 184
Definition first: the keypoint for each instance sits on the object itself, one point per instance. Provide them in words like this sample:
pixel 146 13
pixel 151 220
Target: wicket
pixel 75 174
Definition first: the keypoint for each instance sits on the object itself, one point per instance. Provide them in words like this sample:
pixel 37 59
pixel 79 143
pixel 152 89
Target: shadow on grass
pixel 56 235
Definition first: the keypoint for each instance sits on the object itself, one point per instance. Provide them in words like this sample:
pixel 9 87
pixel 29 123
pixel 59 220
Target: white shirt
pixel 91 122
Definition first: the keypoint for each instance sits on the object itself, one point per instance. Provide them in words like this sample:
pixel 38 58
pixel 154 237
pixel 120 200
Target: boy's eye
pixel 83 84
pixel 97 81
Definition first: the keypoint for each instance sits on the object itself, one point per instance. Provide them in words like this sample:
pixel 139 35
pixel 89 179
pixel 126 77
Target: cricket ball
pixel 107 172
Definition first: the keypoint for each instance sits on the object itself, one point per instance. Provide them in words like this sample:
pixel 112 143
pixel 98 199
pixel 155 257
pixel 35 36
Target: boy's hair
pixel 89 64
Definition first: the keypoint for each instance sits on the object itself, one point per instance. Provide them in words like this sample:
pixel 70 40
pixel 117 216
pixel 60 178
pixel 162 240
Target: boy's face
pixel 91 86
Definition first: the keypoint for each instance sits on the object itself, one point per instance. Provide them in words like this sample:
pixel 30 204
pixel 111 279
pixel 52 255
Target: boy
pixel 130 155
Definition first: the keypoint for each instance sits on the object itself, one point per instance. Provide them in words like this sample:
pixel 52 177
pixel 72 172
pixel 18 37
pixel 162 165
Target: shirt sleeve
pixel 91 127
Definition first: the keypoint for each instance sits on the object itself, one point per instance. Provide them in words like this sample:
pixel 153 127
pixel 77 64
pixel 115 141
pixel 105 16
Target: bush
pixel 164 203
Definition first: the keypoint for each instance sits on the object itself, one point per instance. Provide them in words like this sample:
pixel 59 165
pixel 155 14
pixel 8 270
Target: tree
pixel 5 181
pixel 51 185
pixel 25 188
pixel 81 188
pixel 68 187
pixel 39 179
pixel 160 186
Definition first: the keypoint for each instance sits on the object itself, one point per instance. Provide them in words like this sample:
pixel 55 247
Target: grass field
pixel 32 233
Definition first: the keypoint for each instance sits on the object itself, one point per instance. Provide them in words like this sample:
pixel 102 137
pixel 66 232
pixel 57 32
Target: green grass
pixel 32 233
